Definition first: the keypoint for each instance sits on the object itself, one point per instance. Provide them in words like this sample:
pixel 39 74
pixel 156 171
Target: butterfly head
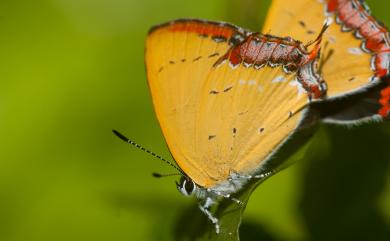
pixel 186 186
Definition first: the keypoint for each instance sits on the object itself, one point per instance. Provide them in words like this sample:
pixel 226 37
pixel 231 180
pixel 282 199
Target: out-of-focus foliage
pixel 71 70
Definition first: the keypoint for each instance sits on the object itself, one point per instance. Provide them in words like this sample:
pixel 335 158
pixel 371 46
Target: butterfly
pixel 355 55
pixel 227 99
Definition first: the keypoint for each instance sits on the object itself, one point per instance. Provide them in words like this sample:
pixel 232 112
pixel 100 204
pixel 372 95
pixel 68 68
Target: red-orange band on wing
pixel 195 27
pixel 224 31
pixel 354 15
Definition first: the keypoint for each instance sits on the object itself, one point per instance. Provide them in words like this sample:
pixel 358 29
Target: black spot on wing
pixel 261 130
pixel 228 88
pixel 197 58
pixel 213 55
pixel 243 113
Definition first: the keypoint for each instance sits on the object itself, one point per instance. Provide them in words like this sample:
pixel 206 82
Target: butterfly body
pixel 260 50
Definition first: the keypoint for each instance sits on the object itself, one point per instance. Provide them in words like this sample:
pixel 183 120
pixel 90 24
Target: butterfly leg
pixel 235 175
pixel 205 209
pixel 227 196
pixel 263 175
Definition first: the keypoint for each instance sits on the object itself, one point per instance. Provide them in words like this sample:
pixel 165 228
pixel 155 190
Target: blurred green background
pixel 72 70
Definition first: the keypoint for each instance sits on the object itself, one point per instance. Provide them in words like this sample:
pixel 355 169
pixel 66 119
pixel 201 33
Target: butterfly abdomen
pixel 259 50
pixel 355 16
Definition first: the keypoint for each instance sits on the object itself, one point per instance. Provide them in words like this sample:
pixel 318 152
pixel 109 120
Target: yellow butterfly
pixel 227 99
pixel 224 112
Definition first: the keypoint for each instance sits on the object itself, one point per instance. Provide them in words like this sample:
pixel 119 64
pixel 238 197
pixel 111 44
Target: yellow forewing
pixel 217 120
pixel 345 67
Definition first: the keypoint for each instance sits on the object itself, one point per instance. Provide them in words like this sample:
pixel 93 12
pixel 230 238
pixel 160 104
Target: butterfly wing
pixel 217 119
pixel 240 128
pixel 355 50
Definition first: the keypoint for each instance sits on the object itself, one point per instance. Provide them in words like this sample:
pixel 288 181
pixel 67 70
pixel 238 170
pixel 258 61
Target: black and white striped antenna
pixel 124 138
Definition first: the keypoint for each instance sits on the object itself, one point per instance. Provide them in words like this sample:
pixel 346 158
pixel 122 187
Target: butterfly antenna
pixel 159 175
pixel 124 138
pixel 327 23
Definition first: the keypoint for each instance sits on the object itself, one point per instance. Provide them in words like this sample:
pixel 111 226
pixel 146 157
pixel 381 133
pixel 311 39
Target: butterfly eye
pixel 186 186
pixel 189 186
